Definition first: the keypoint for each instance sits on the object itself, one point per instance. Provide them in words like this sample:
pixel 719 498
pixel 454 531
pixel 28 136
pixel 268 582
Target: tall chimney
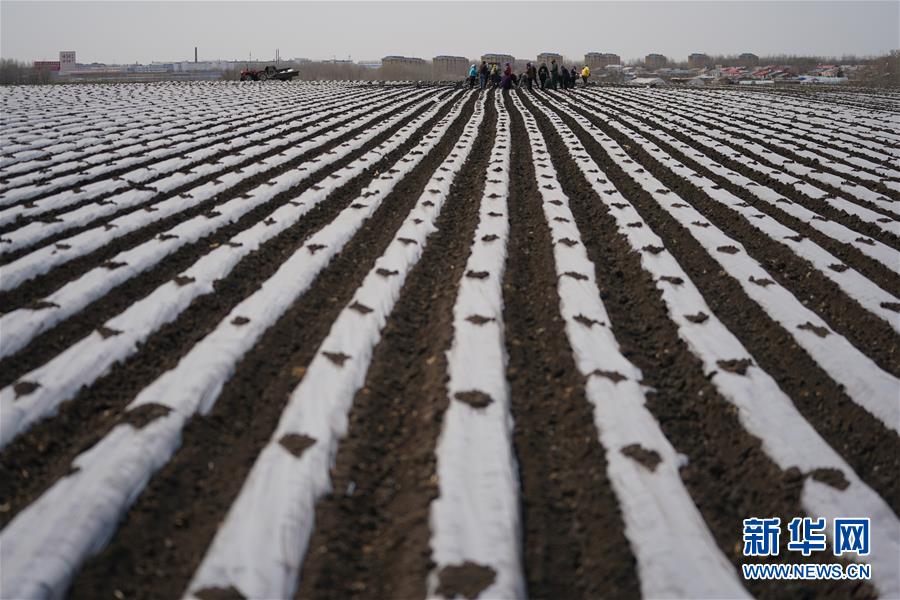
pixel 195 53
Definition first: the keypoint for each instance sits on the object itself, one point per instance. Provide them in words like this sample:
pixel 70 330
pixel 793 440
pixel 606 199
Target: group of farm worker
pixel 555 77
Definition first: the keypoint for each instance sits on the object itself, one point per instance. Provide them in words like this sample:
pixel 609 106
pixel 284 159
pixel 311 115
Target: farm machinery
pixel 269 72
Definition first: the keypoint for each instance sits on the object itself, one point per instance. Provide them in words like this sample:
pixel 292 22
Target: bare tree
pixel 13 72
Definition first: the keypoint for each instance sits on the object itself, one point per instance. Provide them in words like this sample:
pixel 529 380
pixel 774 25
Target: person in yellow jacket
pixel 585 73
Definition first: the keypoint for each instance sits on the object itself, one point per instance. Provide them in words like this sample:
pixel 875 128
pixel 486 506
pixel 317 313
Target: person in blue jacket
pixel 473 73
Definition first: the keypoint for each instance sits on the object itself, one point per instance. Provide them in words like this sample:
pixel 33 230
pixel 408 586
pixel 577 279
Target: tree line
pixel 14 72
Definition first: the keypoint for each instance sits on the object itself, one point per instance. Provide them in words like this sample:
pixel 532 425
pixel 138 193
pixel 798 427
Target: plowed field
pixel 339 341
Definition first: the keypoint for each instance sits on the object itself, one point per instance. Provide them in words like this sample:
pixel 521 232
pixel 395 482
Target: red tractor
pixel 269 72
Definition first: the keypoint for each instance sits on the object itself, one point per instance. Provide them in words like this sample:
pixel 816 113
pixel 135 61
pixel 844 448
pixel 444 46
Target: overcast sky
pixel 127 32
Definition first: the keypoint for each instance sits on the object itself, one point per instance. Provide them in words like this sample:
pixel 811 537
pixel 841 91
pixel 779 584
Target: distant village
pixel 654 70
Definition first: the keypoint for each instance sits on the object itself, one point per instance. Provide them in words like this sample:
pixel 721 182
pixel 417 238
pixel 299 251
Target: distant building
pixel 47 65
pixel 401 61
pixel 601 60
pixel 547 57
pixel 369 64
pixel 404 68
pixel 698 60
pixel 732 72
pixel 450 67
pixel 655 61
pixel 151 68
pixel 66 61
pixel 65 64
pixel 500 59
pixel 748 59
pixel 827 71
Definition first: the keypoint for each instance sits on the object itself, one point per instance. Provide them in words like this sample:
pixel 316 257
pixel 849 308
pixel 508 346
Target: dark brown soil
pixel 812 163
pixel 46 449
pixel 162 538
pixel 466 580
pixel 833 96
pixel 884 277
pixel 868 332
pixel 42 285
pixel 726 465
pixel 49 215
pixel 868 446
pixel 728 475
pixel 47 345
pixel 373 542
pixel 372 533
pixel 803 134
pixel 265 112
pixel 573 536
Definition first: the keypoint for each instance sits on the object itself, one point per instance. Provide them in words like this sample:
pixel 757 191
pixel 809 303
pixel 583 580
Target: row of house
pixel 698 60
pixel 461 63
pixel 594 60
pixel 743 75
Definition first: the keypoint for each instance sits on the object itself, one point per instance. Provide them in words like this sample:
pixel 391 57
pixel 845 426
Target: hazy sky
pixel 145 31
